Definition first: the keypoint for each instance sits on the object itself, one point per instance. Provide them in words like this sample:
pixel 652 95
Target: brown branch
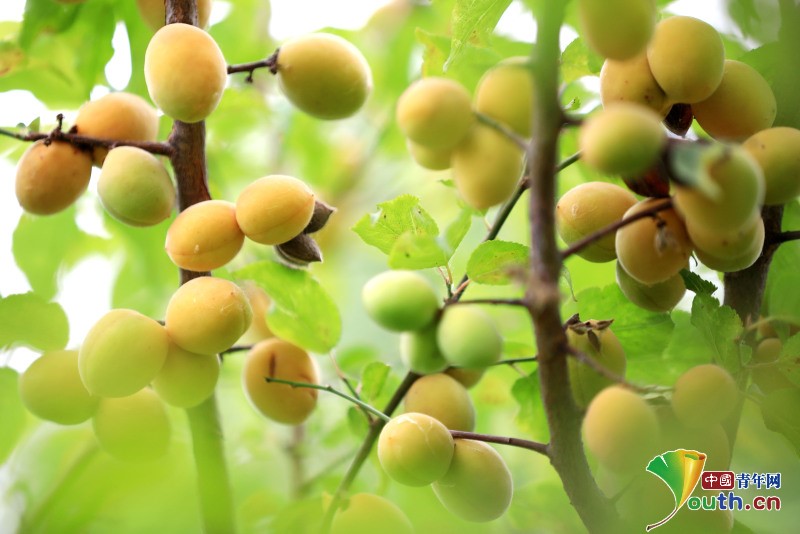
pixel 579 245
pixel 514 361
pixel 783 237
pixel 270 63
pixel 535 446
pixel 496 302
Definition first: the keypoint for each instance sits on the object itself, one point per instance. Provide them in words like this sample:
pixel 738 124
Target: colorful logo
pixel 680 470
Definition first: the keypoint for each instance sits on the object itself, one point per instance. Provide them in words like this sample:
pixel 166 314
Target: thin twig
pixel 270 63
pixel 609 374
pixel 577 246
pixel 514 361
pixel 783 237
pixel 363 405
pixel 154 147
pixel 541 448
pixel 237 348
pixel 517 139
pixel 496 302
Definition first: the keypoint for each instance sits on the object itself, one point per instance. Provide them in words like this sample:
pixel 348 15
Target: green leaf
pixel 393 219
pixel 578 61
pixel 42 16
pixel 456 231
pixel 28 319
pixel 494 262
pixel 473 21
pixel 526 392
pixel 13 412
pixel 302 311
pixel 417 252
pixel 696 284
pixel 721 328
pixel 781 415
pixel 373 379
pixel 356 421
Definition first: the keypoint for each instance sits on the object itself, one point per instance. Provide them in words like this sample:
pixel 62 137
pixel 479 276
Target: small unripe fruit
pixel 732 251
pixel 704 395
pixel 429 158
pixel 740 191
pixel 478 486
pixel 486 167
pixel 400 300
pixel 51 177
pixel 631 81
pixel 742 105
pixel 134 428
pixel 466 377
pixel 468 337
pixel 444 398
pixel 204 236
pixel 617 29
pixel 420 352
pixel 768 377
pixel 658 297
pixel 260 304
pixel 122 353
pixel 121 116
pixel 435 113
pixel 505 93
pixel 186 379
pixel 324 75
pixel 777 152
pixel 623 139
pixel 135 188
pixel 415 449
pixel 364 513
pixel 185 72
pixel 621 429
pixel 686 58
pixel 275 358
pixel 274 209
pixel 653 249
pixel 711 439
pixel 51 389
pixel 207 315
pixel 587 208
pixel 154 12
pixel 602 346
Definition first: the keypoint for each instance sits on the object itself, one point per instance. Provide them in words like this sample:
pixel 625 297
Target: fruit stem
pixel 543 295
pixel 535 446
pixel 518 140
pixel 330 389
pixel 270 63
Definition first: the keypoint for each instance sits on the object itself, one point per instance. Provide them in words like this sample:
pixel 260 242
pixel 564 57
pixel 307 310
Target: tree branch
pixel 783 237
pixel 609 374
pixel 330 389
pixel 270 63
pixel 517 139
pixel 543 297
pixel 496 302
pixel 579 245
pixel 535 446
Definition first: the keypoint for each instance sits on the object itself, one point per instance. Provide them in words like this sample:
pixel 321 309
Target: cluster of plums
pixel 436 116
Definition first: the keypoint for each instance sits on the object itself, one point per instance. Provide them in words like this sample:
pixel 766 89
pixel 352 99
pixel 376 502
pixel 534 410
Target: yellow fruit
pixel 631 81
pixel 621 429
pixel 122 353
pixel 658 297
pixel 135 188
pixel 486 167
pixel 154 12
pixel 364 513
pixel 478 486
pixel 468 337
pixel 204 236
pixel 442 397
pixel 420 352
pixel 704 395
pixel 275 358
pixel 122 116
pixel 587 208
pixel 435 113
pixel 429 158
pixel 623 138
pixel 400 300
pixel 729 252
pixel 651 253
pixel 686 58
pixel 207 315
pixel 187 379
pixel 617 29
pixel 134 428
pixel 51 389
pixel 466 377
pixel 740 186
pixel 274 209
pixel 602 346
pixel 777 152
pixel 505 93
pixel 415 449
pixel 260 304
pixel 324 75
pixel 742 105
pixel 711 440
pixel 185 72
pixel 51 177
